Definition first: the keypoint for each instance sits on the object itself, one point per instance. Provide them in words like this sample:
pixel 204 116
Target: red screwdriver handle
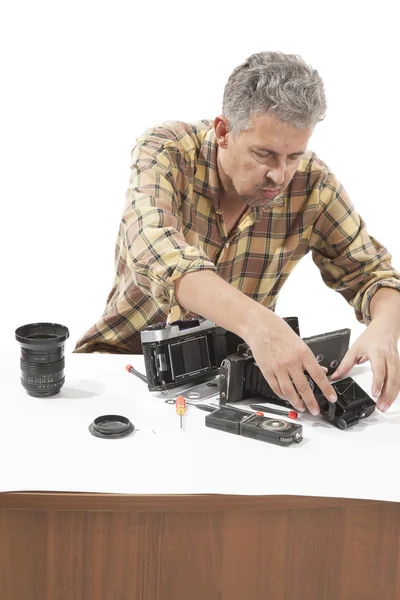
pixel 180 405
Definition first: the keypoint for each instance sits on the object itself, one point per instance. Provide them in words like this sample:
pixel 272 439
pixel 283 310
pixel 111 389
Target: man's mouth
pixel 270 192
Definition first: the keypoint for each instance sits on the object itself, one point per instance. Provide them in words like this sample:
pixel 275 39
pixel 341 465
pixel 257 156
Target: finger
pixel 276 388
pixel 378 366
pixel 315 372
pixel 290 392
pixel 304 390
pixel 348 362
pixel 391 386
pixel 274 385
pixel 325 370
pixel 361 359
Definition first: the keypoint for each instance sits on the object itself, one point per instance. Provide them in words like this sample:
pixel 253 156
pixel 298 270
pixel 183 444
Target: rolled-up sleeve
pixel 157 253
pixel 350 260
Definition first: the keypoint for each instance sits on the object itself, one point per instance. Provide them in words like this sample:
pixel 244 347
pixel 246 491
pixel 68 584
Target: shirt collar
pixel 206 180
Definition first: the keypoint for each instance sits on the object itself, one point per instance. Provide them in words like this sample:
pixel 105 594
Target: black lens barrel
pixel 42 357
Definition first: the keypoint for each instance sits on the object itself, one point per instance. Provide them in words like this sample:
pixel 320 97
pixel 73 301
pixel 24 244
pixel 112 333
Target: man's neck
pixel 225 182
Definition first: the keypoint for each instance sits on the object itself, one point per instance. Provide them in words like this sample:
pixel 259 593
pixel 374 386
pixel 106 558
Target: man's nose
pixel 277 174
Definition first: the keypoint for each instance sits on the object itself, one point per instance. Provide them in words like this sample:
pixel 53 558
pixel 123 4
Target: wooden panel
pixel 371 553
pixel 23 553
pixel 95 555
pixel 332 553
pixel 284 554
pixel 193 556
pixel 149 565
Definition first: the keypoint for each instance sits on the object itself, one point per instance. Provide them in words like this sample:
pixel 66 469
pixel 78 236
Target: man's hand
pixel 279 352
pixel 378 344
pixel 283 357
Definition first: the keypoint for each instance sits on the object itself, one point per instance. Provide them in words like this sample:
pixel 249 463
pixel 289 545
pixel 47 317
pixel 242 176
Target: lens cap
pixel 111 426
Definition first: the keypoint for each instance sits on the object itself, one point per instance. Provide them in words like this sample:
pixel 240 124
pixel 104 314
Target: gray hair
pixel 282 85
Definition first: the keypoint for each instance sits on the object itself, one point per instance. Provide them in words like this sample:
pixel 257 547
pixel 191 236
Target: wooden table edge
pixel 71 501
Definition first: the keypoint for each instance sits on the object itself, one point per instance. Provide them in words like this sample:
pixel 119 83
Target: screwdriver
pixel 130 369
pixel 259 410
pixel 180 406
pixel 292 414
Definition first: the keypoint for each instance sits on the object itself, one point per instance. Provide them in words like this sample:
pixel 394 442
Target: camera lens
pixel 326 408
pixel 42 357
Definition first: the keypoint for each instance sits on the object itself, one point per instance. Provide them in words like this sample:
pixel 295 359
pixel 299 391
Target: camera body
pixel 241 378
pixel 188 351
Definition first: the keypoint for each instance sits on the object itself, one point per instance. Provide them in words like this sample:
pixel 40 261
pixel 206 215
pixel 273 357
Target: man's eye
pixel 261 155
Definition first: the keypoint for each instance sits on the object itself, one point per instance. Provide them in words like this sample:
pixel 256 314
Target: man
pixel 217 215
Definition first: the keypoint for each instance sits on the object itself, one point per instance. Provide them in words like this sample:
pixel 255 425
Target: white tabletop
pixel 45 443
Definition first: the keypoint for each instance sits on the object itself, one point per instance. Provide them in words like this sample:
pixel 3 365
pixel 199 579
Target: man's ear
pixel 221 131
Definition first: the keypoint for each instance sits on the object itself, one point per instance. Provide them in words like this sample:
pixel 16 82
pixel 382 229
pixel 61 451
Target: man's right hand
pixel 282 357
pixel 279 352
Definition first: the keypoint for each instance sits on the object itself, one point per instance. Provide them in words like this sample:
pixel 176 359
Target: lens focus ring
pixel 42 369
pixel 41 356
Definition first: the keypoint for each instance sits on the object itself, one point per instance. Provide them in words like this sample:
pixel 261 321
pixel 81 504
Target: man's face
pixel 260 162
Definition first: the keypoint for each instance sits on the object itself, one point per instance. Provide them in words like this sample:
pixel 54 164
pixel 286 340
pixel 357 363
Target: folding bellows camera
pixel 190 351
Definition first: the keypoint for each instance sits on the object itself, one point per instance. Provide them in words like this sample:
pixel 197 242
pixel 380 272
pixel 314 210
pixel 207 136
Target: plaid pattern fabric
pixel 172 224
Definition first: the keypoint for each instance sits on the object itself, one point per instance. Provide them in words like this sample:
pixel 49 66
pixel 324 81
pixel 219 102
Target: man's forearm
pixel 385 307
pixel 205 293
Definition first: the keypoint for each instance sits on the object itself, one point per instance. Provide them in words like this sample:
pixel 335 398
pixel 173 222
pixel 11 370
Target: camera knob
pixel 156 326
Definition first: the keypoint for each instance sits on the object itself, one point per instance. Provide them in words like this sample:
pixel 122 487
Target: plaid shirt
pixel 172 224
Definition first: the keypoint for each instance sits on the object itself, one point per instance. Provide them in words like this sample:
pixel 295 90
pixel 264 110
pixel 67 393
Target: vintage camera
pixel 352 404
pixel 188 351
pixel 241 378
pixel 185 351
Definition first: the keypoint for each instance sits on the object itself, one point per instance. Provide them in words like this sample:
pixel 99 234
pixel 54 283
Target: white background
pixel 81 80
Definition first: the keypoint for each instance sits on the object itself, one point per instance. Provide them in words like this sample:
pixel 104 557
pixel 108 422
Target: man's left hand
pixel 378 345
